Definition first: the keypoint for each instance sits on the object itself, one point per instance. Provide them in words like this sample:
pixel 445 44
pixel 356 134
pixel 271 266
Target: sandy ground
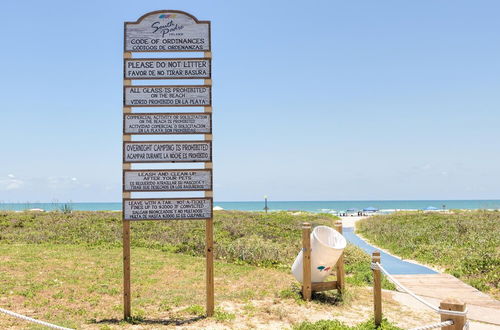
pixel 350 221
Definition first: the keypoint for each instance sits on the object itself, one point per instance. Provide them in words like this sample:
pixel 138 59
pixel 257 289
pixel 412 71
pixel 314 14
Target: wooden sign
pixel 167 151
pixel 167 209
pixel 167 180
pixel 167 31
pixel 167 68
pixel 167 96
pixel 167 123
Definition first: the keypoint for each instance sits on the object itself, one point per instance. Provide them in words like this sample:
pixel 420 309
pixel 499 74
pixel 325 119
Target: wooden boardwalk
pixel 439 286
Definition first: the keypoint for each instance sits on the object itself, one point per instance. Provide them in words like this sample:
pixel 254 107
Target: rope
pixel 378 266
pixel 29 319
pixel 435 325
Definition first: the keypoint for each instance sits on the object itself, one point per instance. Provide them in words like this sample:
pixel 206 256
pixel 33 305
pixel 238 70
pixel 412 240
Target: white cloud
pixel 63 188
pixel 11 183
pixel 62 182
pixel 426 167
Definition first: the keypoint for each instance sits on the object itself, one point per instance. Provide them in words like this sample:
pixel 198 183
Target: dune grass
pixel 246 237
pixel 81 287
pixel 465 243
pixel 73 285
pixel 67 269
pixel 337 325
pixel 254 238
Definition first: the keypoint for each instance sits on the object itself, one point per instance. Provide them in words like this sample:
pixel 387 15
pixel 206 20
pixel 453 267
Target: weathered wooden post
pixel 377 289
pixel 453 304
pixel 340 262
pixel 306 262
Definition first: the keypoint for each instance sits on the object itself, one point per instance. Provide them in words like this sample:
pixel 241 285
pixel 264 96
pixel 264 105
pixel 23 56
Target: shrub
pixel 464 243
pixel 255 238
pixel 337 325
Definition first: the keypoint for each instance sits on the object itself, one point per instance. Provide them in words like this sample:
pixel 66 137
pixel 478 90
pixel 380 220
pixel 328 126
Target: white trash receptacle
pixel 327 245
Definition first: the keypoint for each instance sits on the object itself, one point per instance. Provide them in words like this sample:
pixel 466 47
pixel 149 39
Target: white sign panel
pixel 167 152
pixel 167 96
pixel 167 68
pixel 167 123
pixel 167 31
pixel 167 209
pixel 167 180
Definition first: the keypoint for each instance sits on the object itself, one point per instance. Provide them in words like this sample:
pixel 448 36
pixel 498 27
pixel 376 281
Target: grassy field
pixel 333 324
pixel 465 243
pixel 72 285
pixel 243 237
pixel 81 287
pixel 254 238
pixel 67 269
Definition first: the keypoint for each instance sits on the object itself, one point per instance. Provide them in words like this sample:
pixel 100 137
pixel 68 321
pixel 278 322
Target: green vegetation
pixel 337 325
pixel 271 240
pixel 66 208
pixel 465 243
pixel 73 285
pixel 222 316
pixel 255 238
pixel 357 268
pixel 66 268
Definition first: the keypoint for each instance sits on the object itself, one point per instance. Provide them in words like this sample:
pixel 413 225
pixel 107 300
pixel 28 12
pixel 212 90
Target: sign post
pixel 167 31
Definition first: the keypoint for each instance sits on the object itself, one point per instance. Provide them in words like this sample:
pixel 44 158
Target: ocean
pixel 310 206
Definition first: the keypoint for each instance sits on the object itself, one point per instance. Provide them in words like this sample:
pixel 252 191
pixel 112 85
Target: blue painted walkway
pixel 394 265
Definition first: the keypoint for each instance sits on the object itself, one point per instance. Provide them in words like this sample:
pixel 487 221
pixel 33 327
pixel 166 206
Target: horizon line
pixel 269 201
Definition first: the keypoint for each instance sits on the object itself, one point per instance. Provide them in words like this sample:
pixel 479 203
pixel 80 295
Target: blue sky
pixel 323 100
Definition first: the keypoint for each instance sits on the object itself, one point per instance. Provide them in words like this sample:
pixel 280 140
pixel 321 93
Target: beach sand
pixel 350 221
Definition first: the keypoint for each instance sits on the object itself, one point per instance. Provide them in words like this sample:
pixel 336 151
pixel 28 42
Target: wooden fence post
pixel 340 263
pixel 377 290
pixel 453 304
pixel 306 261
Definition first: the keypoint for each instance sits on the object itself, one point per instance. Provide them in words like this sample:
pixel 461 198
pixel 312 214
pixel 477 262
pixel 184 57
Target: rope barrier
pixel 29 319
pixel 378 266
pixel 435 325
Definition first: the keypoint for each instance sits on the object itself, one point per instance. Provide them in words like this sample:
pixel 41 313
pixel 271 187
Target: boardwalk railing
pixel 32 320
pixel 453 312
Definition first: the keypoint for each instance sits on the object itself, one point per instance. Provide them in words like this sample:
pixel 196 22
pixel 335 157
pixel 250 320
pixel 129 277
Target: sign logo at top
pixel 167 31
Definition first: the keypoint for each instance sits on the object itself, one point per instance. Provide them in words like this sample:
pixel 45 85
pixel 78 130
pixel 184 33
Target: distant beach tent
pixel 351 210
pixel 370 209
pixel 431 208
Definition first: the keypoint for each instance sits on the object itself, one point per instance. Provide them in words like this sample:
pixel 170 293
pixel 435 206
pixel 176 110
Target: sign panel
pixel 167 123
pixel 167 180
pixel 167 68
pixel 167 31
pixel 167 209
pixel 167 151
pixel 167 96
